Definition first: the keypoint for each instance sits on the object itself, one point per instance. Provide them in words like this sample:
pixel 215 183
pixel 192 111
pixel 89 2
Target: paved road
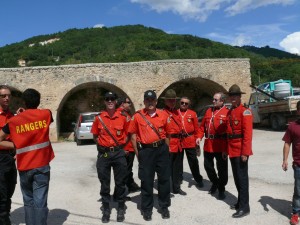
pixel 74 190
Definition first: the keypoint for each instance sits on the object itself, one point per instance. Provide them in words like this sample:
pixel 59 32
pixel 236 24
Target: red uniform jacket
pixel 190 129
pixel 117 125
pixel 128 147
pixel 239 123
pixel 29 131
pixel 144 133
pixel 213 127
pixel 4 116
pixel 174 126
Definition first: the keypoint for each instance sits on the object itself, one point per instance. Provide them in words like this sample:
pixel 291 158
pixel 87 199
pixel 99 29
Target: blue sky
pixel 275 23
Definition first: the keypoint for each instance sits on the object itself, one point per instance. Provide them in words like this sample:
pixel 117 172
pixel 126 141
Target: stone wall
pixel 57 82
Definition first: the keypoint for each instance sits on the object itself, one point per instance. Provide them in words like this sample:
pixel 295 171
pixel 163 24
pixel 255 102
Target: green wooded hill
pixel 133 43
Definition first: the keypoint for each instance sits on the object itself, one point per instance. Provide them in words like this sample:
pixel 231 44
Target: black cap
pixel 150 94
pixel 110 95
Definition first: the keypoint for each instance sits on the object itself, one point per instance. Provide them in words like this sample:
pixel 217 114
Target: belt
pixel 11 152
pixel 104 149
pixel 216 136
pixel 184 135
pixel 154 144
pixel 234 136
pixel 175 135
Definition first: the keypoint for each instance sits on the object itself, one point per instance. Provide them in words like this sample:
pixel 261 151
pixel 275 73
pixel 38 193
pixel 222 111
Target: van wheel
pixel 78 142
pixel 278 122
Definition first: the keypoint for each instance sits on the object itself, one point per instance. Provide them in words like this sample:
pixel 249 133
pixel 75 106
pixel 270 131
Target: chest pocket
pixel 118 130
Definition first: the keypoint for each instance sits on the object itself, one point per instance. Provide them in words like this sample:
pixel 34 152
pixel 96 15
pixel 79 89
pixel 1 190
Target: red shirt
pixel 4 116
pixel 189 122
pixel 128 146
pixel 239 121
pixel 145 134
pixel 292 136
pixel 174 126
pixel 214 122
pixel 117 125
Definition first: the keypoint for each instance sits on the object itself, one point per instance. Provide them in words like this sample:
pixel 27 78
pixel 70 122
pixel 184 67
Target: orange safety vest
pixel 29 131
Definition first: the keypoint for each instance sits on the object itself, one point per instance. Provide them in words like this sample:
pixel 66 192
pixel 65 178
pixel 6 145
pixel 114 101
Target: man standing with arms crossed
pixel 292 137
pixel 150 143
pixel 29 131
pixel 239 138
pixel 190 137
pixel 109 131
pixel 8 171
pixel 213 127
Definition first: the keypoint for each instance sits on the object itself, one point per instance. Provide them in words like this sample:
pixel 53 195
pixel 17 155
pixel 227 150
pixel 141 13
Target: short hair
pixel 31 98
pixel 185 97
pixel 222 96
pixel 298 105
pixel 3 86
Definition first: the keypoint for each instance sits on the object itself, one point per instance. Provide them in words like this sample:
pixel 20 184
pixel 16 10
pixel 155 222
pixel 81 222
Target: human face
pixel 110 103
pixel 5 96
pixel 150 103
pixel 184 104
pixel 217 102
pixel 127 104
pixel 171 103
pixel 235 99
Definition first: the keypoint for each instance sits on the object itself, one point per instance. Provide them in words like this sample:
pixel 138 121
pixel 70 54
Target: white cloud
pixel 241 6
pixel 291 43
pixel 200 9
pixel 98 25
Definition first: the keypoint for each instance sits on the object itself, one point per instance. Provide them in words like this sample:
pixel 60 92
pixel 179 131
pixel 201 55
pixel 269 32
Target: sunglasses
pixel 184 103
pixel 109 99
pixel 5 95
pixel 129 102
pixel 215 100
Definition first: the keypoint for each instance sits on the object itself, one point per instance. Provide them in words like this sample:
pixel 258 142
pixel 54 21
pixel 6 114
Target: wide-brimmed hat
pixel 170 94
pixel 234 90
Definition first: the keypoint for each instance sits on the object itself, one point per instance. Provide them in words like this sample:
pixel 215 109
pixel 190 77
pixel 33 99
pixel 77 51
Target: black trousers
pixel 191 156
pixel 153 160
pixel 116 161
pixel 129 177
pixel 220 179
pixel 176 165
pixel 241 180
pixel 8 180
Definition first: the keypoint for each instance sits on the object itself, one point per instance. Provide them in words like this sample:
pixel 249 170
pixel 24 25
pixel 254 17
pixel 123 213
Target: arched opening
pixel 200 91
pixel 87 97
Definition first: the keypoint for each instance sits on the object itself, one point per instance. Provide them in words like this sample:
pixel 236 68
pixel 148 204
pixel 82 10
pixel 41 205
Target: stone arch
pixel 85 97
pixel 199 90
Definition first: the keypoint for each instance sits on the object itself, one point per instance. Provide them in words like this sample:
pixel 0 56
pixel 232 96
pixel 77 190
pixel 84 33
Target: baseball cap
pixel 150 94
pixel 110 95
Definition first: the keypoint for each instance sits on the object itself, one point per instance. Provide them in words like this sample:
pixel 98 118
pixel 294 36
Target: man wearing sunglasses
pixel 110 133
pixel 8 171
pixel 213 127
pixel 124 108
pixel 190 136
pixel 239 143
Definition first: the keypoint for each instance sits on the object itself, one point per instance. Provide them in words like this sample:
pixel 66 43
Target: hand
pixel 198 140
pixel 244 158
pixel 285 166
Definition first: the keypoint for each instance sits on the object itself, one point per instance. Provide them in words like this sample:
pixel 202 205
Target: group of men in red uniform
pixel 159 139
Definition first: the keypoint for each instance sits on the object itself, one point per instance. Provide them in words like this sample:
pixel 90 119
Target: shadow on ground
pixel 282 206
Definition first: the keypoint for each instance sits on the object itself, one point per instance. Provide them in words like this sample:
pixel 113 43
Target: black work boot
pixel 121 212
pixel 105 212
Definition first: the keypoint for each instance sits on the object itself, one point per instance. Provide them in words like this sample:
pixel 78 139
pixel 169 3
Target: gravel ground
pixel 74 190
